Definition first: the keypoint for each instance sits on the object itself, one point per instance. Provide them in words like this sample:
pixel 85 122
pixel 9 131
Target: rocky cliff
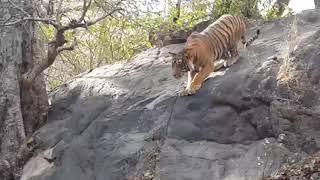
pixel 126 121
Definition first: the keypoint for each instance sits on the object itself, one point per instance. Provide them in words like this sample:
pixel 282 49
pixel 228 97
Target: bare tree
pixel 18 106
pixel 23 97
pixel 57 44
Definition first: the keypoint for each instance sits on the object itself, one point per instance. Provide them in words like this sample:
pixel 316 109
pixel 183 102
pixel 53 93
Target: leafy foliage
pixel 247 8
pixel 275 12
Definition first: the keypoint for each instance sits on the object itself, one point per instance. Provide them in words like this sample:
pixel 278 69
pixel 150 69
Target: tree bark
pixel 178 11
pixel 281 6
pixel 317 4
pixel 22 110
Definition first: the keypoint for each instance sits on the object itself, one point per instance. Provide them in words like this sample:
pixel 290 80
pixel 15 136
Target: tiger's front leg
pixel 200 77
pixel 191 75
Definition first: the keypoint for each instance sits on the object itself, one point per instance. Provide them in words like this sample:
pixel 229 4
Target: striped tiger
pixel 201 51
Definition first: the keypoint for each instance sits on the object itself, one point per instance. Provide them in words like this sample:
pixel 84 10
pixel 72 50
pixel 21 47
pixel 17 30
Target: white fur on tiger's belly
pixel 218 65
pixel 216 73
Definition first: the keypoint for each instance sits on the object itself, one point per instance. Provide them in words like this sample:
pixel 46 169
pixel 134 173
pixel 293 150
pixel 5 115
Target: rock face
pixel 126 121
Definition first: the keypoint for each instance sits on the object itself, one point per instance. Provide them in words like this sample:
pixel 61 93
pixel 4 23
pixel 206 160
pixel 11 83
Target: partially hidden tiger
pixel 202 50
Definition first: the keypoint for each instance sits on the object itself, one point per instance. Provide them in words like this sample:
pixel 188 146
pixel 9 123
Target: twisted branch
pixel 56 45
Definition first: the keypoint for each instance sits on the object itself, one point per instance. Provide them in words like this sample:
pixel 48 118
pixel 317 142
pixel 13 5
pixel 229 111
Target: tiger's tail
pixel 247 43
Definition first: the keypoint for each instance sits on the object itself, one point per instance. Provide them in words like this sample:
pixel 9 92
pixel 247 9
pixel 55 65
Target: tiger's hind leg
pixel 218 64
pixel 233 57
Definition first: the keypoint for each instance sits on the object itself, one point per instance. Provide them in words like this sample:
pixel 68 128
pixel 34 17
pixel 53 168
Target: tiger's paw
pixel 226 64
pixel 187 92
pixel 195 88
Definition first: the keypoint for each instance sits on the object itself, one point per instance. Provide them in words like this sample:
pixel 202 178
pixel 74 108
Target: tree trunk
pixel 317 4
pixel 281 6
pixel 178 11
pixel 22 110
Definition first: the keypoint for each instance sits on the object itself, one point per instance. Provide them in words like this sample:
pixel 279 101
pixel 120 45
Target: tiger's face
pixel 179 64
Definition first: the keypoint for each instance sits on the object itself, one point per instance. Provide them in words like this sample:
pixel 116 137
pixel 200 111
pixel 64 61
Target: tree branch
pixel 17 7
pixel 59 14
pixel 27 18
pixel 43 20
pixel 69 48
pixel 103 17
pixel 84 10
pixel 74 24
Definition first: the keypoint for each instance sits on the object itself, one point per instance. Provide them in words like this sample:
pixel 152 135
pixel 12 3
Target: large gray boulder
pixel 126 121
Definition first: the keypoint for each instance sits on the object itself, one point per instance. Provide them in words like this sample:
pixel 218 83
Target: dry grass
pixel 308 168
pixel 287 73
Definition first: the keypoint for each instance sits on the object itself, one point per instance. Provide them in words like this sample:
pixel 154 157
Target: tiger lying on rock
pixel 202 50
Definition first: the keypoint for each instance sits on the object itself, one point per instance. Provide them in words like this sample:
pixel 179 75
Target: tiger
pixel 202 50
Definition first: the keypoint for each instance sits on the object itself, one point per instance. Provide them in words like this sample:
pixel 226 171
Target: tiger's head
pixel 179 64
